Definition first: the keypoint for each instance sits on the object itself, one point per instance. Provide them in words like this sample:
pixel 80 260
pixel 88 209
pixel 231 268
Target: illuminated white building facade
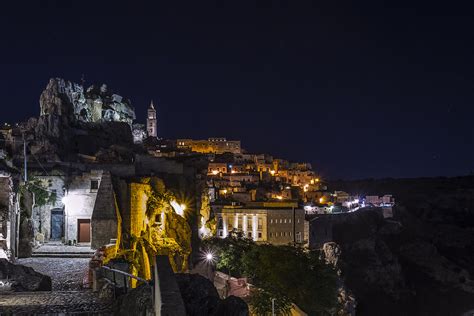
pixel 279 226
pixel 68 217
pixel 79 202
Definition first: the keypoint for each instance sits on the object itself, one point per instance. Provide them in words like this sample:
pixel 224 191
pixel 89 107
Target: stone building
pixel 106 221
pixel 79 203
pixel 267 223
pixel 215 168
pixel 48 215
pixel 211 145
pixel 68 216
pixel 9 216
pixel 151 121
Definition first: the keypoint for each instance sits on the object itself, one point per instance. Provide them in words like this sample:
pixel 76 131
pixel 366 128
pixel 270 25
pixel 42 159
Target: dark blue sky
pixel 379 89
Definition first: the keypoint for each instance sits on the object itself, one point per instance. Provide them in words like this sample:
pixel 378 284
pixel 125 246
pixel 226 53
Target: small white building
pixel 79 202
pixel 68 216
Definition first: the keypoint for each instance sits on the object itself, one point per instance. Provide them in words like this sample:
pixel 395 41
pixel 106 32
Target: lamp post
pixel 273 306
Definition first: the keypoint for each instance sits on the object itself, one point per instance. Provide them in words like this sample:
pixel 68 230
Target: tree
pixel 286 273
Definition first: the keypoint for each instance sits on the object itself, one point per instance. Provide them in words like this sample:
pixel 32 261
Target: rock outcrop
pixel 201 298
pixel 346 299
pixel 77 121
pixel 70 102
pixel 24 279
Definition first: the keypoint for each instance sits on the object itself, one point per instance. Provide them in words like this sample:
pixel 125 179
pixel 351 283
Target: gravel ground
pixel 66 273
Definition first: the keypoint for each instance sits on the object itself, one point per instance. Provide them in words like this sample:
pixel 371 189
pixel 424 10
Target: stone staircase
pixel 58 250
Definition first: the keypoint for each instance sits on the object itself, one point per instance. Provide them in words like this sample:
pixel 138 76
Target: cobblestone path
pixel 68 296
pixel 67 274
pixel 66 302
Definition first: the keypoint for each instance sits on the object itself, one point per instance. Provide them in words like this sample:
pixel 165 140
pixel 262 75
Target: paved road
pixel 53 303
pixel 67 274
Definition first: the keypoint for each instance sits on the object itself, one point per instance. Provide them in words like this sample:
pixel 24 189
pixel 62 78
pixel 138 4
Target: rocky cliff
pixel 69 101
pixel 419 263
pixel 74 120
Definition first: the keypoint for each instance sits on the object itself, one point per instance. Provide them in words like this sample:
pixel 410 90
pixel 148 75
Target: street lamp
pixel 209 256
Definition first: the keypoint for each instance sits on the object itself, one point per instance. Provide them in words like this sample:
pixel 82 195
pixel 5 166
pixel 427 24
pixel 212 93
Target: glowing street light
pixel 178 208
pixel 208 256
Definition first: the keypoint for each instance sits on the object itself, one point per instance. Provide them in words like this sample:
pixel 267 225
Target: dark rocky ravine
pixel 421 262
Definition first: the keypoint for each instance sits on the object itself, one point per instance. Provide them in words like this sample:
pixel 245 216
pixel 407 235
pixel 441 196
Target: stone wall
pixel 80 201
pixel 104 222
pixel 147 165
pixel 138 199
pixel 7 212
pixel 41 214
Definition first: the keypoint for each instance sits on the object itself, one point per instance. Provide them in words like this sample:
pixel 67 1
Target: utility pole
pixel 25 177
pixel 273 306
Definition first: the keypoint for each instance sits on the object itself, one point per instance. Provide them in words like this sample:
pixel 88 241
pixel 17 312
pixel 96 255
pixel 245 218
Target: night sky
pixel 372 89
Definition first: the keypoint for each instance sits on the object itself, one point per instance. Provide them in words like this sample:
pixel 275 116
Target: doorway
pixel 84 230
pixel 57 224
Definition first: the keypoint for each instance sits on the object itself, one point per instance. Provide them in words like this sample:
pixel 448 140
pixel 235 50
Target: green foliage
pixel 229 252
pixel 261 302
pixel 289 274
pixel 41 193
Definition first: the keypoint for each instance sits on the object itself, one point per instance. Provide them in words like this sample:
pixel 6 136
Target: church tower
pixel 151 122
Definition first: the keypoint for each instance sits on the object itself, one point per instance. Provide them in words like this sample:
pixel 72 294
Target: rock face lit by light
pixel 94 104
pixel 178 208
pixel 204 231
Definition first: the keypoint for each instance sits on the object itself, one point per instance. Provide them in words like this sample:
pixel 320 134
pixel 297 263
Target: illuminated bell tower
pixel 151 122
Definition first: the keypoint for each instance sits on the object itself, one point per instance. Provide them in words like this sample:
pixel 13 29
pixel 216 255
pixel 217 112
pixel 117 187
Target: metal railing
pixel 122 276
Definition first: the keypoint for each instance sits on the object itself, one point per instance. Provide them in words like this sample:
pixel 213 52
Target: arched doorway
pixel 57 224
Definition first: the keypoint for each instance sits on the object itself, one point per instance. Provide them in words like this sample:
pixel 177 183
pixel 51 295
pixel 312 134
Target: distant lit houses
pixel 211 145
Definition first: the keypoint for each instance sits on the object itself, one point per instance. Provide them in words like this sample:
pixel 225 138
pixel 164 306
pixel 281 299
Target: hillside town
pixel 84 179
